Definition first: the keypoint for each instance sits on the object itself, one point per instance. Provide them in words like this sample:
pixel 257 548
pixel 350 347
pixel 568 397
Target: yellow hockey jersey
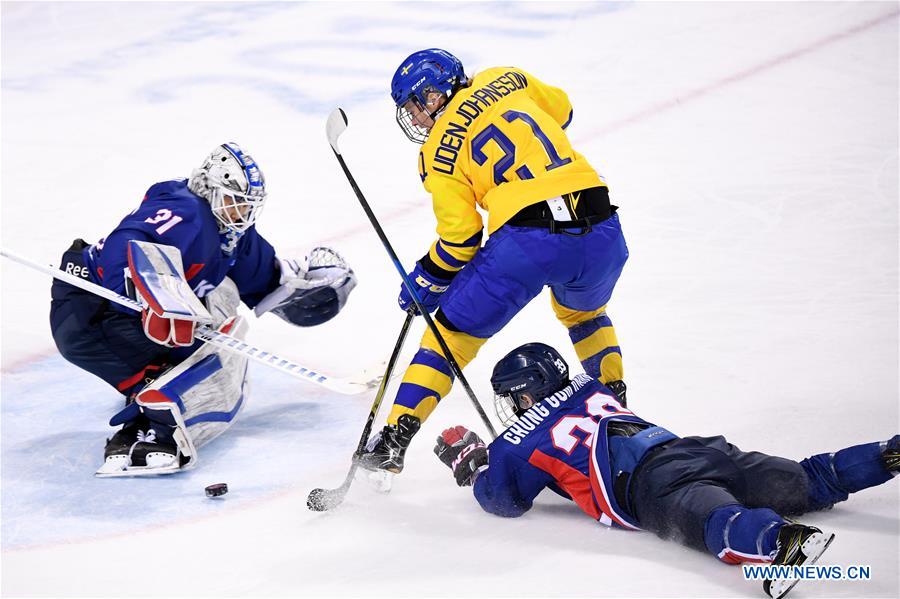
pixel 500 144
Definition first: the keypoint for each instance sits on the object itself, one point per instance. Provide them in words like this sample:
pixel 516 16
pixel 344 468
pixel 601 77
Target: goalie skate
pixel 140 447
pixel 186 407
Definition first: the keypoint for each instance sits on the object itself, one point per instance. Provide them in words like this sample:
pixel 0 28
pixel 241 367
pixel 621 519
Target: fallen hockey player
pixel 190 253
pixel 575 437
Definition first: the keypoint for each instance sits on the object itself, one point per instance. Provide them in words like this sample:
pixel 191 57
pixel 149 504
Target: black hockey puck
pixel 216 490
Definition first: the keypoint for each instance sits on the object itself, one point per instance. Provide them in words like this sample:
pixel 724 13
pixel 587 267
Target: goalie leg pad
pixel 208 389
pixel 199 399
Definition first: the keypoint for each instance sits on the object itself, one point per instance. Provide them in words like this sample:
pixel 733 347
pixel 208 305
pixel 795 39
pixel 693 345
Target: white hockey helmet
pixel 234 186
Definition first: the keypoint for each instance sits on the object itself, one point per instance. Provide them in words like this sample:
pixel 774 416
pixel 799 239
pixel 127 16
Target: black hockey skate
pixel 618 387
pixel 386 449
pixel 141 445
pixel 890 455
pixel 797 544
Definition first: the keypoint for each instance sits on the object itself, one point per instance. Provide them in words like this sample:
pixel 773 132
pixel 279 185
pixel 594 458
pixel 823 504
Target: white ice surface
pixel 752 148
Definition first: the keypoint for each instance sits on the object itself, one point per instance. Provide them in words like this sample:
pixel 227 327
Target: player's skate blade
pixel 120 465
pixel 113 465
pixel 812 544
pixel 381 481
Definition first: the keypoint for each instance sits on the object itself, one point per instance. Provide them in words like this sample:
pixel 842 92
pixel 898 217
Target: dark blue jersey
pixel 562 442
pixel 170 214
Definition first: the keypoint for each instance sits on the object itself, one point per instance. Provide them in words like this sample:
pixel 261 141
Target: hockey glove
pixel 464 452
pixel 311 290
pixel 428 286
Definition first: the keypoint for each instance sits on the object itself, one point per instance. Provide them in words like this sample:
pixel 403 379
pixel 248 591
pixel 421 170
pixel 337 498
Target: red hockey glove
pixel 171 332
pixel 464 452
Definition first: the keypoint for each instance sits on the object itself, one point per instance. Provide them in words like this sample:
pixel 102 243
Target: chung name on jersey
pixel 533 416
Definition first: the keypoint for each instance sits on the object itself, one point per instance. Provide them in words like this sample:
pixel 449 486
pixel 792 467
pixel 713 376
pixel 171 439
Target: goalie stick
pixel 334 127
pixel 207 334
pixel 320 500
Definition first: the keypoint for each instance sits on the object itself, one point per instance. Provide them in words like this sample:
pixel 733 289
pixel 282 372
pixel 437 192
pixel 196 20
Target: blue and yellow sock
pixel 595 341
pixel 429 376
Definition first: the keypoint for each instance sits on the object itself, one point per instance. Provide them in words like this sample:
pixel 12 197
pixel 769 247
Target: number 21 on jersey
pixel 493 133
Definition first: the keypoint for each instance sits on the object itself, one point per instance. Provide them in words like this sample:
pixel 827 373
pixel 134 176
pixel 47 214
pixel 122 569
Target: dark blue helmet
pixel 524 376
pixel 423 72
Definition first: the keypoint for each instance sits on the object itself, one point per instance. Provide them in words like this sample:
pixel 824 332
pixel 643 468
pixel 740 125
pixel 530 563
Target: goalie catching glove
pixel 464 452
pixel 311 290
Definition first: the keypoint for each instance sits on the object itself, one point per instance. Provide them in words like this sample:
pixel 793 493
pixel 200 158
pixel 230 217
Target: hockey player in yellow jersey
pixel 497 142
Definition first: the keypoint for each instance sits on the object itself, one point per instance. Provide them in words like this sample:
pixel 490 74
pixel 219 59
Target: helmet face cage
pixel 535 369
pixel 423 73
pixel 233 185
pixel 414 131
pixel 234 210
pixel 507 409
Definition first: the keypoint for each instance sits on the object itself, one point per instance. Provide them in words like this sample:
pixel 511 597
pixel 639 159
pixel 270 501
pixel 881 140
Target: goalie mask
pixel 525 376
pixel 234 186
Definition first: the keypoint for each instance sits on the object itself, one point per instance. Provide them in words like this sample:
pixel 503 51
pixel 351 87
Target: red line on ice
pixel 736 77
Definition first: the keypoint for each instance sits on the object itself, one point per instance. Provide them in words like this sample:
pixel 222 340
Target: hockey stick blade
pixel 335 126
pixel 322 500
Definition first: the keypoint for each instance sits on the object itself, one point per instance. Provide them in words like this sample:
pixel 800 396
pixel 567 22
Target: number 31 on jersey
pixel 166 218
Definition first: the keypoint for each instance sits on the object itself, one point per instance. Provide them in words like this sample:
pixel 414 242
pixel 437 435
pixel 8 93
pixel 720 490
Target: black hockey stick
pixel 320 500
pixel 336 125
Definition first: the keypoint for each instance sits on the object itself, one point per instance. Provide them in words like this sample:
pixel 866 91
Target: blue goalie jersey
pixel 563 442
pixel 170 214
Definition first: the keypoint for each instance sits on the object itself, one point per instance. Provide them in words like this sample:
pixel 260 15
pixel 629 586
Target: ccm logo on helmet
pixel 418 83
